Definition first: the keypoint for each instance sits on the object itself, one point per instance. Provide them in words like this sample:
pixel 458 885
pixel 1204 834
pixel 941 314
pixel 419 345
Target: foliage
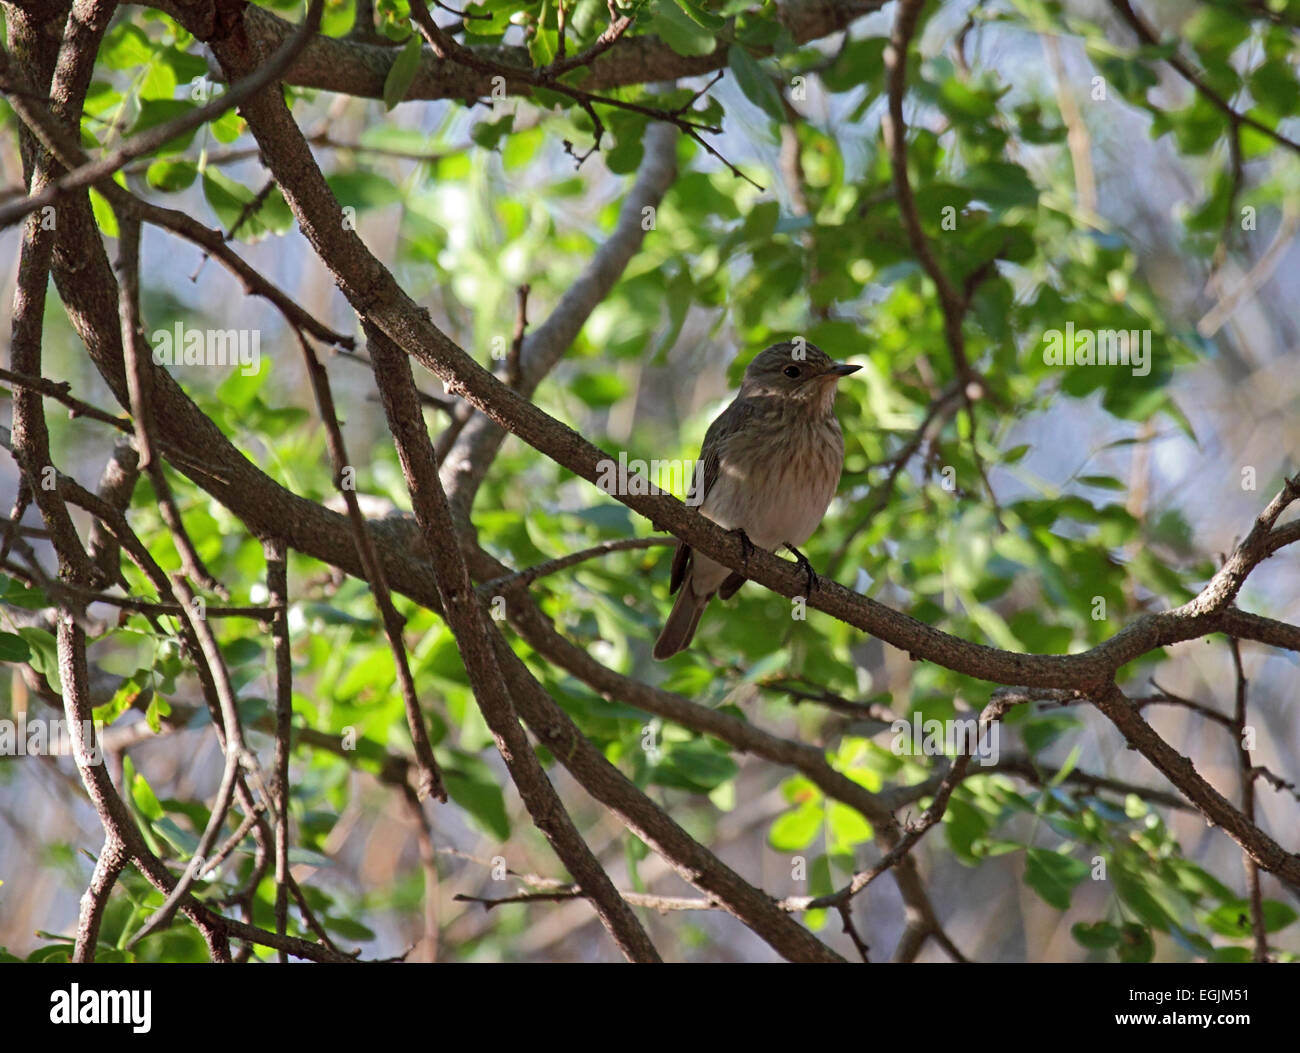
pixel 985 534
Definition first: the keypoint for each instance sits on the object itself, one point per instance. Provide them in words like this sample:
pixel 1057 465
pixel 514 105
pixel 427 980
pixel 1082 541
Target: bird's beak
pixel 843 369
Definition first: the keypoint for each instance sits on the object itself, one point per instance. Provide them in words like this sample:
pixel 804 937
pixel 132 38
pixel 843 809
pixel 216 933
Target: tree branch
pixel 108 867
pixel 1254 895
pixel 92 173
pixel 430 782
pixel 361 70
pixel 474 638
pixel 1147 35
pixel 277 587
pixel 467 465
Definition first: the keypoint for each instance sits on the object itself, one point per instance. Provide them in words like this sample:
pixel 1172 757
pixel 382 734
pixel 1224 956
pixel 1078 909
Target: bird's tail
pixel 680 626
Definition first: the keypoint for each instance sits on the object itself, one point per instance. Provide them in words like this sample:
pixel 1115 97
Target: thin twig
pixel 551 566
pixel 65 147
pixel 953 303
pixel 1168 698
pixel 430 783
pixel 513 76
pixel 146 142
pixel 1148 36
pixel 140 386
pixel 277 584
pixel 913 832
pixel 1254 894
pixel 514 372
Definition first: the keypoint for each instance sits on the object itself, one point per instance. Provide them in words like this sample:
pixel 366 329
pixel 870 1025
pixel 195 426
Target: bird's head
pixel 795 370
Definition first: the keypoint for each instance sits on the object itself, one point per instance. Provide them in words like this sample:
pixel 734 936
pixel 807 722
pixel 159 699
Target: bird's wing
pixel 727 423
pixel 704 476
pixel 681 562
pixel 706 468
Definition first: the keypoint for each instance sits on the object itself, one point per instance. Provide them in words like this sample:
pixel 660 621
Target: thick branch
pixel 464 616
pixel 1183 774
pixel 112 859
pixel 361 69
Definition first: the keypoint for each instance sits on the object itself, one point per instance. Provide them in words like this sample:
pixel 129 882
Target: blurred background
pixel 1118 220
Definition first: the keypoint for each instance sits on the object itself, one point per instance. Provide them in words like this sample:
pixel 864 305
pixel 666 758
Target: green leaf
pixel 1233 918
pixel 154 112
pixel 679 31
pixel 228 127
pixel 44 654
pixel 242 650
pixel 227 199
pixel 1096 936
pixel 123 698
pixel 1053 875
pixel 238 391
pixel 13 648
pixel 1140 900
pixel 14 593
pixel 105 217
pixel 1103 482
pixel 1274 86
pixel 963 825
pixel 482 800
pixel 848 828
pixel 126 47
pixel 599 390
pixel 145 799
pixel 1199 882
pixel 795 830
pixel 544 44
pixel 53 953
pixel 859 62
pixel 1215 31
pixel 158 708
pixel 402 72
pixel 1136 944
pixel 186 67
pixel 488 134
pixel 363 189
pixel 347 928
pixel 1001 184
pixel 1236 955
pixel 625 156
pixel 755 82
pixel 697 14
pixel 171 176
pixel 695 766
pixel 177 836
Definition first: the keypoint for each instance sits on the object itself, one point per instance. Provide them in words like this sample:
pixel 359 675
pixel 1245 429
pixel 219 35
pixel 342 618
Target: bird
pixel 767 471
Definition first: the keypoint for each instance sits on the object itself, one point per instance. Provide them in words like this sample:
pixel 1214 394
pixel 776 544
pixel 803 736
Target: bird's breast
pixel 776 480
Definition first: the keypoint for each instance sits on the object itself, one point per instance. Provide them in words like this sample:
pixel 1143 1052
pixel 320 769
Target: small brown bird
pixel 768 469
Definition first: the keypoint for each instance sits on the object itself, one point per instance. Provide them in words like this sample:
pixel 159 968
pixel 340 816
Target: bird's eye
pixel 791 371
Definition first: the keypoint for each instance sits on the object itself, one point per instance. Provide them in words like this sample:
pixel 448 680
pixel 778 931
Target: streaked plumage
pixel 770 465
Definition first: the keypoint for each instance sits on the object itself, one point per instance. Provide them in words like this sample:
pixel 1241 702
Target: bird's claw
pixel 810 575
pixel 746 546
